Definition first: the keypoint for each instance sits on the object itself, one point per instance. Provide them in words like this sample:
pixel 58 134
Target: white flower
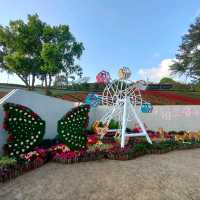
pixel 14 119
pixel 20 111
pixel 17 152
pixel 32 137
pixel 31 143
pixel 20 119
pixel 29 115
pixel 61 122
pixel 29 122
pixel 36 136
pixel 62 131
pixel 35 122
pixel 27 140
pixel 15 144
pixel 23 150
pixel 27 147
pixel 39 132
pixel 41 123
pixel 16 109
pixel 12 154
pixel 25 113
pixel 34 140
pixel 22 143
pixel 33 119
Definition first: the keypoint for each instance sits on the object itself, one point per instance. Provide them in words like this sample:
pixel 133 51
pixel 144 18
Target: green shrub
pixel 113 124
pixel 72 126
pixel 25 128
pixel 6 161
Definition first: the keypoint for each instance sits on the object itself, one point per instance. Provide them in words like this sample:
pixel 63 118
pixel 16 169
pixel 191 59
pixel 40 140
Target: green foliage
pixel 188 57
pixel 6 161
pixel 36 49
pixel 71 127
pixel 101 125
pixel 114 124
pixel 25 128
pixel 167 80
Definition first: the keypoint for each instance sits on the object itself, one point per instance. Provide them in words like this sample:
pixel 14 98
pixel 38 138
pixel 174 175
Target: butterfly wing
pixel 25 128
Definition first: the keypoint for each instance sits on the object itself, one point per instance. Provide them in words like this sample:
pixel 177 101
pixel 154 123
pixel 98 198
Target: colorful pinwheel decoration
pixel 103 77
pixel 146 107
pixel 92 99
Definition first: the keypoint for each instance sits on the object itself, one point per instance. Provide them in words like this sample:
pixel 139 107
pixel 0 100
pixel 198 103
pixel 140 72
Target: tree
pixel 188 57
pixel 36 50
pixel 167 80
pixel 60 81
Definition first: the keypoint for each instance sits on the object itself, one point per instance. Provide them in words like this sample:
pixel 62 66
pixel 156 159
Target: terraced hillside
pixel 154 96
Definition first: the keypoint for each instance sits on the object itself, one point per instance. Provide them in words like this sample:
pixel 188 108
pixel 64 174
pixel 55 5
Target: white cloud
pixel 156 73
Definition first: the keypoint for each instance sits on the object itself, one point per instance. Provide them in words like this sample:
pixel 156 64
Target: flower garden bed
pixel 94 152
pixel 10 171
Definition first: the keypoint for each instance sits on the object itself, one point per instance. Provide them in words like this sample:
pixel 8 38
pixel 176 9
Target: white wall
pixel 52 109
pixel 176 117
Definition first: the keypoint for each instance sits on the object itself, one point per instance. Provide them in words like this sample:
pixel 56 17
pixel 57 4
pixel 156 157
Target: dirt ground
pixel 174 175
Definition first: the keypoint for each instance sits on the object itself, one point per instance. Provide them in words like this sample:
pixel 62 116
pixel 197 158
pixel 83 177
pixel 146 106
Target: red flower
pixel 11 138
pixel 34 115
pixel 92 139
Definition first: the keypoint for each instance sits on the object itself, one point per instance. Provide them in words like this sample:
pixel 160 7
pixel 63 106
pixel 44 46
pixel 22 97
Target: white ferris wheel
pixel 123 101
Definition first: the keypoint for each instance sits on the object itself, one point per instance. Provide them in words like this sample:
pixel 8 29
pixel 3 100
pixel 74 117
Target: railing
pixel 3 99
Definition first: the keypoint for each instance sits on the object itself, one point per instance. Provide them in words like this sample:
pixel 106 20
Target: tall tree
pixel 188 57
pixel 37 50
pixel 167 80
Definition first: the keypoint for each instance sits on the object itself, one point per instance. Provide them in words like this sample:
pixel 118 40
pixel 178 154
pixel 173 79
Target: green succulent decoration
pixel 25 129
pixel 114 124
pixel 72 125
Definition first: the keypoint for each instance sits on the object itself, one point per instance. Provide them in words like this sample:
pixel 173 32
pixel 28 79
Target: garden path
pixel 174 176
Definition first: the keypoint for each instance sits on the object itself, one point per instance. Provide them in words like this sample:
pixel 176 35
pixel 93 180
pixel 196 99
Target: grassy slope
pixel 155 97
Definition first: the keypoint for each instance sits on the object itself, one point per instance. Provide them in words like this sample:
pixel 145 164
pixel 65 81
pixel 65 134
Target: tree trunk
pixel 33 82
pixel 25 80
pixel 46 85
pixel 50 80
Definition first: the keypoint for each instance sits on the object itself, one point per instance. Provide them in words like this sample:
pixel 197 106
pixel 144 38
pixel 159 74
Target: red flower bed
pixel 152 96
pixel 168 98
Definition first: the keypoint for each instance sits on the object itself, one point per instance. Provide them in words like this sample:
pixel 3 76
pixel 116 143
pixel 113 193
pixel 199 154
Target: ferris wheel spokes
pixel 123 98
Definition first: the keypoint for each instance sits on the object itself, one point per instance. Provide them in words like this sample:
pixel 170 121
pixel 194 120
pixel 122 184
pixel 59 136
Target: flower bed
pixel 61 153
pixel 168 98
pixel 153 96
pixel 163 142
pixel 10 171
pixel 131 152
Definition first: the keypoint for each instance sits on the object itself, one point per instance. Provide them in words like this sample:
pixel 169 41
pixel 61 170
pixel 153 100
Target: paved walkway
pixel 174 175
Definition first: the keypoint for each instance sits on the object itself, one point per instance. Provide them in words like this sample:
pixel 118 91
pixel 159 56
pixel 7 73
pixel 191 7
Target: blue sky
pixel 143 35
